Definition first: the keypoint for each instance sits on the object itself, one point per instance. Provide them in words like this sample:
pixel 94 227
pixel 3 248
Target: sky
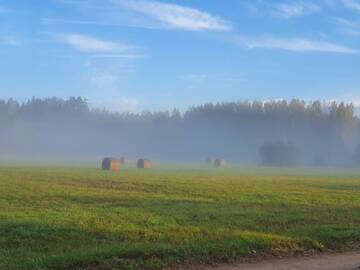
pixel 135 55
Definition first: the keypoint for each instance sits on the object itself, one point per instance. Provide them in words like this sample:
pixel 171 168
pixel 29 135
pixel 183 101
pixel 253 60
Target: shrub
pixel 279 154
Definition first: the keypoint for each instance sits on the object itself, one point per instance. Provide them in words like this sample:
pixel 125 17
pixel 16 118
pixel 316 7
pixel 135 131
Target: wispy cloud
pixel 115 103
pixel 296 9
pixel 289 9
pixel 202 77
pixel 292 44
pixel 105 79
pixel 348 27
pixel 49 21
pixel 107 64
pixel 345 22
pixel 10 40
pixel 176 16
pixel 119 56
pixel 352 4
pixel 148 14
pixel 203 80
pixel 90 44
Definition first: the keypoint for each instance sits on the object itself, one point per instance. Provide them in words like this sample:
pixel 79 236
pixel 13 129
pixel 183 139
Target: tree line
pixel 324 133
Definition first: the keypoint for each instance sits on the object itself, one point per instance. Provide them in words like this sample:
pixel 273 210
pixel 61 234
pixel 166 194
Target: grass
pixel 79 218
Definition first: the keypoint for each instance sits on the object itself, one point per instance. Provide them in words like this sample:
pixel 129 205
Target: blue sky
pixel 143 54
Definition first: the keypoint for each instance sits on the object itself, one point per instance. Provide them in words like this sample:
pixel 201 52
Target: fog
pixel 56 129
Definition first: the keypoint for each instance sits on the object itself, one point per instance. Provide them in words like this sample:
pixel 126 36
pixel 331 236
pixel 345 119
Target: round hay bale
pixel 220 162
pixel 111 164
pixel 123 160
pixel 144 163
pixel 209 161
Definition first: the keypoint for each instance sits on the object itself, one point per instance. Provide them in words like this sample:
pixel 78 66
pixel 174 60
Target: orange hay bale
pixel 111 164
pixel 144 163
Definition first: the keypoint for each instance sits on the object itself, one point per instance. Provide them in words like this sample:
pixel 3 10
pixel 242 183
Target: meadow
pixel 85 218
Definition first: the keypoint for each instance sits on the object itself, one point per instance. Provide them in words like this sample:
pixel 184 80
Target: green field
pixel 79 218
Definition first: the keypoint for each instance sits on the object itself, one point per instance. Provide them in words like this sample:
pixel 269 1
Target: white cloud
pixel 116 103
pixel 292 44
pixel 287 9
pixel 348 27
pixel 296 9
pixel 149 14
pixel 90 44
pixel 107 65
pixel 49 21
pixel 202 77
pixel 345 22
pixel 106 77
pixel 176 16
pixel 200 81
pixel 105 92
pixel 119 56
pixel 10 40
pixel 352 4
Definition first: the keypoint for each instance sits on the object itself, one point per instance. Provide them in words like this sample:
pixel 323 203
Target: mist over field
pixel 57 129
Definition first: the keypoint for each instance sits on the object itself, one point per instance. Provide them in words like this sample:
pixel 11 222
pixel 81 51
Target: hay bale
pixel 219 162
pixel 111 164
pixel 144 163
pixel 123 160
pixel 209 161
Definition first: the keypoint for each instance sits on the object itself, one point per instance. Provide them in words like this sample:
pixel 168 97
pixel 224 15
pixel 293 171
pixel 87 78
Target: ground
pixel 344 261
pixel 85 218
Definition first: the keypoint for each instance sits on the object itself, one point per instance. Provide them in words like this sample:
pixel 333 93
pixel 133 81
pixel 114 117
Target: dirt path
pixel 348 261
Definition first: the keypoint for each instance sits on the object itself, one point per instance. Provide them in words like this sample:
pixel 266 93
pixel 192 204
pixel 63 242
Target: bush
pixel 356 156
pixel 279 154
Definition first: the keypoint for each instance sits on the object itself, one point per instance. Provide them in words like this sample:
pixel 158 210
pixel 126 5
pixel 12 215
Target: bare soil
pixel 346 261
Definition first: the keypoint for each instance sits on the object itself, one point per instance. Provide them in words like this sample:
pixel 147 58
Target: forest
pixel 326 134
